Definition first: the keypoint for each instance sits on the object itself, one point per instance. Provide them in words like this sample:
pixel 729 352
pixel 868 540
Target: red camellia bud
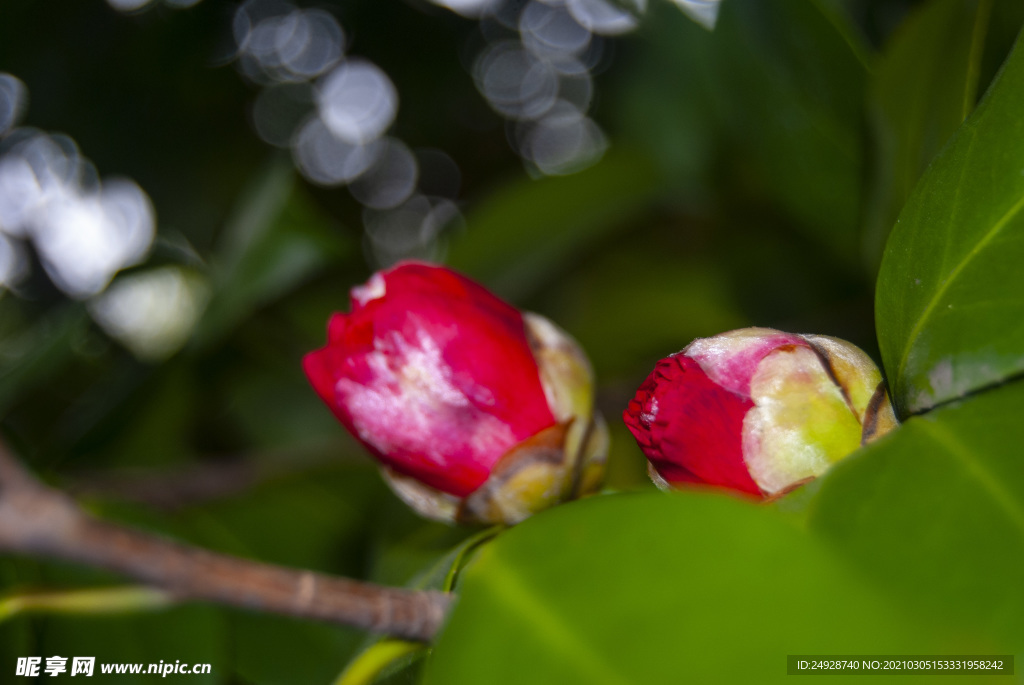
pixel 757 410
pixel 477 412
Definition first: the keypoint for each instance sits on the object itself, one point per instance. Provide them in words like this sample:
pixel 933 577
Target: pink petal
pixel 731 359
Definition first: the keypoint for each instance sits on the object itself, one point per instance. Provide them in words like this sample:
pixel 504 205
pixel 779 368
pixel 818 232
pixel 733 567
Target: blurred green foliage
pixel 752 176
pixel 924 86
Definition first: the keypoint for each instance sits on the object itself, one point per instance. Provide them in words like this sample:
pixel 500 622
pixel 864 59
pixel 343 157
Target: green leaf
pixel 528 230
pixel 921 90
pixel 949 302
pixel 935 513
pixel 655 588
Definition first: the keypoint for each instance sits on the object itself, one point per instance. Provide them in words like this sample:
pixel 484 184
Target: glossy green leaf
pixel 922 88
pixel 950 296
pixel 528 230
pixel 655 588
pixel 935 513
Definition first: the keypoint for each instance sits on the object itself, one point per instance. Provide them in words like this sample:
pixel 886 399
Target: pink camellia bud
pixel 757 410
pixel 477 412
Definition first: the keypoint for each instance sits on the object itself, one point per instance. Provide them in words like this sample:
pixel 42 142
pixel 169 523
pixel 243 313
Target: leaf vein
pixel 519 599
pixel 953 275
pixel 1005 500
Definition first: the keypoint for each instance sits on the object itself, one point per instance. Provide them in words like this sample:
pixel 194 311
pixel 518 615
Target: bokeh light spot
pixel 563 142
pixel 357 101
pixel 84 231
pixel 325 159
pixel 152 313
pixel 13 101
pixel 704 12
pixel 605 17
pixel 391 179
pixel 551 30
pixel 515 82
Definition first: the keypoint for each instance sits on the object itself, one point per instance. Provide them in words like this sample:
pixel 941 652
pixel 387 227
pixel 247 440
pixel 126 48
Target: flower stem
pixel 107 600
pixel 368 665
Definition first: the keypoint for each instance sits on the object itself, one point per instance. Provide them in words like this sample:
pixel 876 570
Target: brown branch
pixel 39 521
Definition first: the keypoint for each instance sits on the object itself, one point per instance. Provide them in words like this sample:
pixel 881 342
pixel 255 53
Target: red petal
pixel 336 327
pixel 433 373
pixel 690 428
